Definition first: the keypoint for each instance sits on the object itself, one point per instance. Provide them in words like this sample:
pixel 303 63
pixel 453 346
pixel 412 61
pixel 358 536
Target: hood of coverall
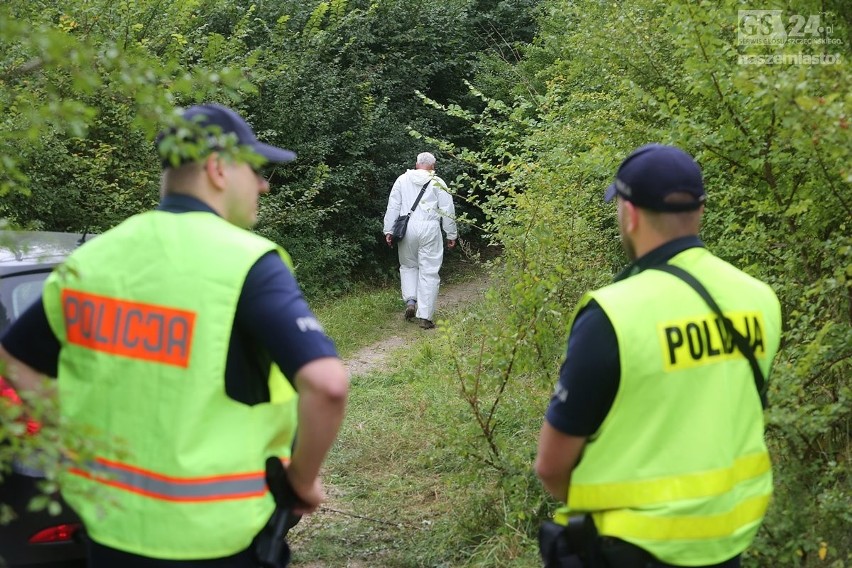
pixel 419 177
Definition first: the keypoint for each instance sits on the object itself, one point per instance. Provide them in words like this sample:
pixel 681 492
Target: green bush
pixel 774 144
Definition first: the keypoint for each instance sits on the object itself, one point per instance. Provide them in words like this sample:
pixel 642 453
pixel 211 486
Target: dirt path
pixel 376 356
pixel 450 297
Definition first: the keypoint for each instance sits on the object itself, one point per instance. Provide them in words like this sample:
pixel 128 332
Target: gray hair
pixel 426 159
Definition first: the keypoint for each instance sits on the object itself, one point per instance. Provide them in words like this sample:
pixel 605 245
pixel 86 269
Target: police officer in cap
pixel 655 428
pixel 184 348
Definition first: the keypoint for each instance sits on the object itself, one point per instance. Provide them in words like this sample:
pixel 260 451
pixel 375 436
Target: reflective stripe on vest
pixel 679 467
pixel 158 486
pixel 632 525
pixel 598 496
pixel 176 471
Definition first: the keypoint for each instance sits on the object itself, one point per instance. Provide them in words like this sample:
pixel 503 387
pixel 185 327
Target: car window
pixel 25 294
pixel 18 293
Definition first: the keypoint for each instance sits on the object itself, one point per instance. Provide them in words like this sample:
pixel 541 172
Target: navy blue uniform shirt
pixel 590 375
pixel 266 326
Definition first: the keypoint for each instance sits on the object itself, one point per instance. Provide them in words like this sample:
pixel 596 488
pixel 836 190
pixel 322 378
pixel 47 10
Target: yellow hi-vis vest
pixel 679 466
pixel 144 315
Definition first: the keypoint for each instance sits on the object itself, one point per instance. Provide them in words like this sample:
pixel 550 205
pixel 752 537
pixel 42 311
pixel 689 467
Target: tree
pixel 85 97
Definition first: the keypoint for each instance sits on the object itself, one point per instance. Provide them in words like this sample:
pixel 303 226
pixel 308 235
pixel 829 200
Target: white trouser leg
pixel 409 271
pixel 430 257
pixel 421 253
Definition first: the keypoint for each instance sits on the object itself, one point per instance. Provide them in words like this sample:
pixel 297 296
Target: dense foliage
pixel 775 146
pixel 85 85
pixel 530 106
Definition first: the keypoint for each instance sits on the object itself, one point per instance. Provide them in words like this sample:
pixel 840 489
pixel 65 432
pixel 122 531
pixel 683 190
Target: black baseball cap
pixel 229 122
pixel 653 172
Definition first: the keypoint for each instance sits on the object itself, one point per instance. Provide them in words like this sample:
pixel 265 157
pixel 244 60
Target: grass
pixel 371 314
pixel 360 318
pixel 385 476
pixel 407 481
pixel 401 491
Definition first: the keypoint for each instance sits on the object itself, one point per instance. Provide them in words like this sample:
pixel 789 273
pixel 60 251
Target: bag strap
pixel 738 338
pixel 420 195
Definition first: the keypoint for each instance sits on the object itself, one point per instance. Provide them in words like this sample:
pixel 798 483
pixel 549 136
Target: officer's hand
pixel 451 243
pixel 389 239
pixel 309 496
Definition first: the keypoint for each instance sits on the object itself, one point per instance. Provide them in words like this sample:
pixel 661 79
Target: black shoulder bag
pixel 738 339
pixel 400 226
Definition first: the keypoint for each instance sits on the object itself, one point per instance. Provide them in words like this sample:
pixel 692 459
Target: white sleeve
pixel 448 213
pixel 392 212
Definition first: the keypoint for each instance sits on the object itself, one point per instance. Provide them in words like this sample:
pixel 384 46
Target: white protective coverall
pixel 421 252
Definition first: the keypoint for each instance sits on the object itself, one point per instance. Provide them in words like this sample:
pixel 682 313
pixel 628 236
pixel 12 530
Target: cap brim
pixel 273 154
pixel 609 195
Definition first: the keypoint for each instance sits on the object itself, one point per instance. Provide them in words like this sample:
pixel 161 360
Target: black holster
pixel 578 545
pixel 271 544
pixel 570 546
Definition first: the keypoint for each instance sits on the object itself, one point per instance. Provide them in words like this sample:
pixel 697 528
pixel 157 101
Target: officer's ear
pixel 632 216
pixel 628 215
pixel 214 168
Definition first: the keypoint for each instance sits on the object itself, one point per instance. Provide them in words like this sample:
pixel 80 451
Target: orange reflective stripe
pixel 167 488
pixel 130 329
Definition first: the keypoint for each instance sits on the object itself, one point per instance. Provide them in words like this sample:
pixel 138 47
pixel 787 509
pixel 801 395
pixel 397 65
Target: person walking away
pixel 655 429
pixel 421 252
pixel 184 337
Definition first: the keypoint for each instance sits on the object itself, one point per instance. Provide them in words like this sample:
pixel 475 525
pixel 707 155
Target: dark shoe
pixel 410 310
pixel 426 324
